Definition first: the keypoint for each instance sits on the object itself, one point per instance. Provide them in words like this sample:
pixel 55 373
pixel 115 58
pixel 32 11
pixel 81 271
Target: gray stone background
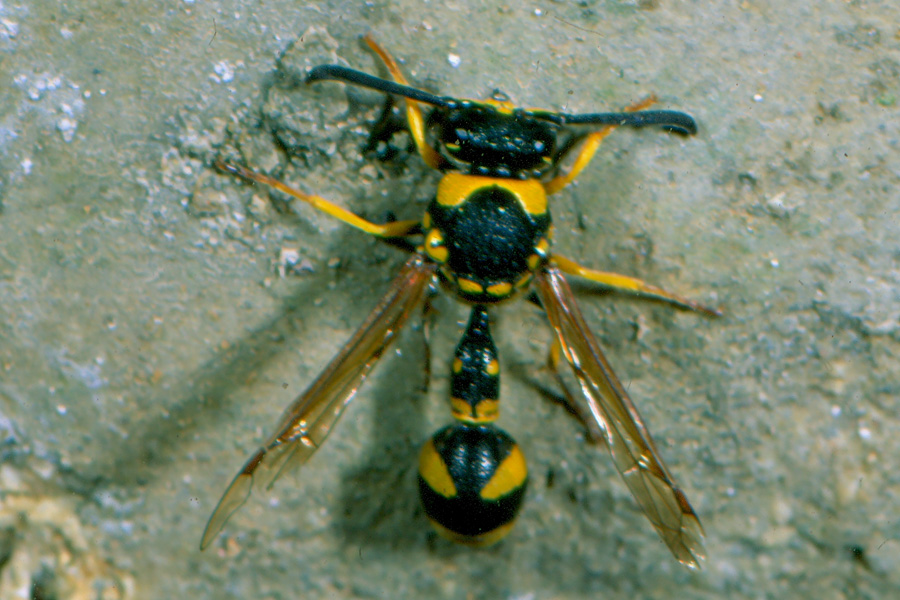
pixel 148 340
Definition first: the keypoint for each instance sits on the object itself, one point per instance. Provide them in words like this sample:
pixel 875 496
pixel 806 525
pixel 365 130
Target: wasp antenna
pixel 670 120
pixel 348 75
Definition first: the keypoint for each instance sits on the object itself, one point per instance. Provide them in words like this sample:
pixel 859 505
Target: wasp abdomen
pixel 472 483
pixel 472 475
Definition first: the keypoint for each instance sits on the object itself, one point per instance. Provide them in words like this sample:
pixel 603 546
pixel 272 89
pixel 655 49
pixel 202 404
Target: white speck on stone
pixel 66 33
pixel 776 202
pixel 865 433
pixel 8 29
pixel 287 259
pixel 224 71
pixel 26 165
pixel 757 98
pixel 38 84
pixel 835 411
pixel 454 60
pixel 67 128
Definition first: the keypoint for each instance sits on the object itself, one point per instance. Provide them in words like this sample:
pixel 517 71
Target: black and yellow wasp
pixel 486 236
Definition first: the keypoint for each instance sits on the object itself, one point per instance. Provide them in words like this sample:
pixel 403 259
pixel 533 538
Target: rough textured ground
pixel 148 340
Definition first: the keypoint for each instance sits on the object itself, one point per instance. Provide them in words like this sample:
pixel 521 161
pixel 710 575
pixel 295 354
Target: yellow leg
pixel 631 285
pixel 553 355
pixel 388 230
pixel 413 112
pixel 588 149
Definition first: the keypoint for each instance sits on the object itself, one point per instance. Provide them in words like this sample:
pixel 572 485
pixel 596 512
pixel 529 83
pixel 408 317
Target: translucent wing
pixel 620 424
pixel 306 422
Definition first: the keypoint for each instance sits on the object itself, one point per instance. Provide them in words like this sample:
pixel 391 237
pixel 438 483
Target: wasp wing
pixel 616 420
pixel 305 424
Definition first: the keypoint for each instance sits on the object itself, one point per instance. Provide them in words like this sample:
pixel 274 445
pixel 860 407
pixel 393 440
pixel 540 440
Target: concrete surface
pixel 148 341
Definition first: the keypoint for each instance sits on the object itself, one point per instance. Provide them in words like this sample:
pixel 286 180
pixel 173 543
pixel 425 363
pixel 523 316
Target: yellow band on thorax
pixel 456 188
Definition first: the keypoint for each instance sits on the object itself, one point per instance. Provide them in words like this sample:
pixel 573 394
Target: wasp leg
pixel 631 285
pixel 428 314
pixel 591 144
pixel 380 138
pixel 396 229
pixel 413 112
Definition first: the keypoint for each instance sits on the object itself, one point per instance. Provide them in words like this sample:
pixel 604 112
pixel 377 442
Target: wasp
pixel 486 238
